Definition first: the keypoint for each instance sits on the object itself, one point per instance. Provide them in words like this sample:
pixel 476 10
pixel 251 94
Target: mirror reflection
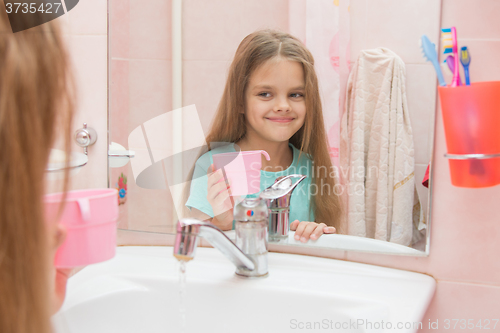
pixel 219 107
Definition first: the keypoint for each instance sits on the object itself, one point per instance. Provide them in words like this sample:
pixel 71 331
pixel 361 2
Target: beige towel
pixel 377 151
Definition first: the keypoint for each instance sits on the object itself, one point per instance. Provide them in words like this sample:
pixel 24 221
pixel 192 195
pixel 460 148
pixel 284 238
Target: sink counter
pixel 138 291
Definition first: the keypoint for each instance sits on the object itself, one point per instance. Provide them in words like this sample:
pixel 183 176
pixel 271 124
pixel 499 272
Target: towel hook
pixel 85 137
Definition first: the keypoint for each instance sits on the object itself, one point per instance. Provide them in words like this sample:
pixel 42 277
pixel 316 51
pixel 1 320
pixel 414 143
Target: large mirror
pixel 168 65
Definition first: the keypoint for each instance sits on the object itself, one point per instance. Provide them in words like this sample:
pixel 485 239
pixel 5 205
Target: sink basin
pixel 138 291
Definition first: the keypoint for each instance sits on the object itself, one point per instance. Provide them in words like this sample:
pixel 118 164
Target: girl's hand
pixel 219 197
pixel 305 230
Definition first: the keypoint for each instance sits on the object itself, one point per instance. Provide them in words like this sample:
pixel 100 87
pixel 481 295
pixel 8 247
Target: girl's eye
pixel 297 95
pixel 265 94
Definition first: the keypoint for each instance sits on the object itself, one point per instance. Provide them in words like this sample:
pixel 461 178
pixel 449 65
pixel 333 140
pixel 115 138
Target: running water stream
pixel 182 296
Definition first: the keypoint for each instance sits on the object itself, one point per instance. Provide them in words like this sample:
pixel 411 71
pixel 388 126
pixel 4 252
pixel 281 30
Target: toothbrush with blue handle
pixel 429 50
pixel 465 60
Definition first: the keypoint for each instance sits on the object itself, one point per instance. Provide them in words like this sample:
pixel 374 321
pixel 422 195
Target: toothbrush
pixel 450 61
pixel 429 50
pixel 465 60
pixel 449 37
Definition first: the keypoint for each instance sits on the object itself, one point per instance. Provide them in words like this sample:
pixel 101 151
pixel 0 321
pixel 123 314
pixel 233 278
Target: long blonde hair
pixel 35 98
pixel 229 124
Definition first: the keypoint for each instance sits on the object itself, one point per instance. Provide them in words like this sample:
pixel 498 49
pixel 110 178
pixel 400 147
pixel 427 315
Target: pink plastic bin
pixel 90 218
pixel 243 169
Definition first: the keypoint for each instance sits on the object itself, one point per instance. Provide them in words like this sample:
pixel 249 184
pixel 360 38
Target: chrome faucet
pixel 249 254
pixel 277 197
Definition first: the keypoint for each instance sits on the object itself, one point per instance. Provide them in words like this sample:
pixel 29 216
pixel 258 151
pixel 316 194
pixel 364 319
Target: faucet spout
pixel 188 231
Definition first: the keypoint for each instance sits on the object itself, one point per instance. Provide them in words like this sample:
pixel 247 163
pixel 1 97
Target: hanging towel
pixel 377 151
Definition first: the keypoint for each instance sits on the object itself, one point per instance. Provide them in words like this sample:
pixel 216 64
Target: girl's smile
pixel 285 120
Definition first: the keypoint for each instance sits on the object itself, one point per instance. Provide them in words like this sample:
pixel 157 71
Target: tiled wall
pixel 85 32
pixel 465 239
pixel 87 41
pixel 140 89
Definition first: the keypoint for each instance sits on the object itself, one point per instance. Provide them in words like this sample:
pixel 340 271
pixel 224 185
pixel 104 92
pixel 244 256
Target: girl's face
pixel 275 104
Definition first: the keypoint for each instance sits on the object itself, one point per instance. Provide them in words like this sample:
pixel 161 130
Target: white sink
pixel 138 291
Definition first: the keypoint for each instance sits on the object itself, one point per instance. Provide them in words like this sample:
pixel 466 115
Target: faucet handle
pixel 286 182
pixel 282 186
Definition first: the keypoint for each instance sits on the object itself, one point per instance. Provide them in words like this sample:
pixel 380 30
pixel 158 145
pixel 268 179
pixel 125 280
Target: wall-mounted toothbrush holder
pixel 85 137
pixel 471 118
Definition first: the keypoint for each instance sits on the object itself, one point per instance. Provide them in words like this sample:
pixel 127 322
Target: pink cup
pixel 90 219
pixel 243 169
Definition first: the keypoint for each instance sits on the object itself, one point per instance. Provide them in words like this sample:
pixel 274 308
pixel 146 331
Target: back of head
pixel 35 98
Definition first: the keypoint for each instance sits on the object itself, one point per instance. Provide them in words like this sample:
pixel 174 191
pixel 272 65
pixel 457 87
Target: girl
pixel 35 99
pixel 271 102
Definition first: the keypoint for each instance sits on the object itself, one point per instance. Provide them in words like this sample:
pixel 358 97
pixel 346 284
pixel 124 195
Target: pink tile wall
pixel 119 77
pixel 89 17
pixel 140 89
pixel 85 34
pixel 90 66
pixel 119 95
pixel 150 29
pixel 119 29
